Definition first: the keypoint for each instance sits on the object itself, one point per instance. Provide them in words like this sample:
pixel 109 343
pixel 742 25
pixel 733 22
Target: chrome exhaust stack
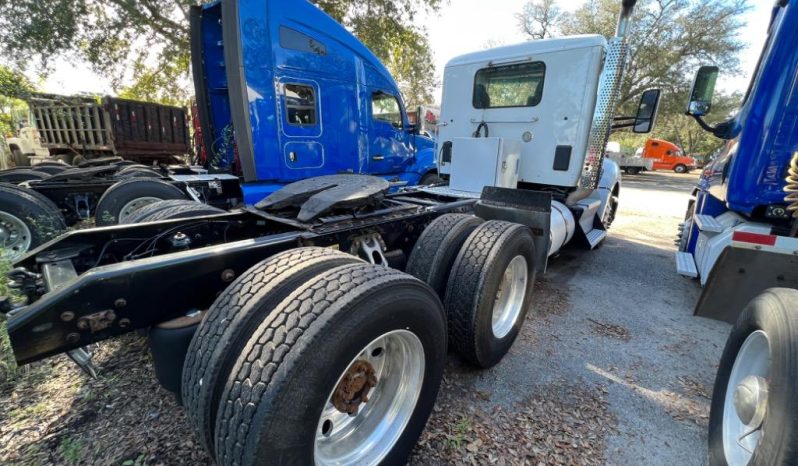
pixel 609 91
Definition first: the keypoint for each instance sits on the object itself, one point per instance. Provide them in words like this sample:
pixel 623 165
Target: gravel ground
pixel 610 368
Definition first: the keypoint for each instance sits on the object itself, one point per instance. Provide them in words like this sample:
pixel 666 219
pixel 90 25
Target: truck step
pixel 708 223
pixel 595 236
pixel 685 265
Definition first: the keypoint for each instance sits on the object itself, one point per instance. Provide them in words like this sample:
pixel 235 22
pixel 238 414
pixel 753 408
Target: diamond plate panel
pixel 609 92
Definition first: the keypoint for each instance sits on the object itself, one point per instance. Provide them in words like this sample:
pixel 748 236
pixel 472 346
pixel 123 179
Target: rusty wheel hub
pixel 354 387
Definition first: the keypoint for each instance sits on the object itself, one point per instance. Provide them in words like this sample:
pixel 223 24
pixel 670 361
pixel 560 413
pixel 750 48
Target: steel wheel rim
pixel 397 358
pixel 134 205
pixel 510 297
pixel 753 359
pixel 15 236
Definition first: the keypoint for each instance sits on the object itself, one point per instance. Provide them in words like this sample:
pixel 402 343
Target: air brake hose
pixel 478 132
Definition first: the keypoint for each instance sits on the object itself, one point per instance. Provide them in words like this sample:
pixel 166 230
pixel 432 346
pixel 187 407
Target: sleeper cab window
pixel 300 104
pixel 295 40
pixel 519 85
pixel 385 107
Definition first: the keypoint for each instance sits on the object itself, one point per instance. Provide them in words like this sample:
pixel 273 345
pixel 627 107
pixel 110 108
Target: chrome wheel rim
pixel 510 297
pixel 15 236
pixel 741 436
pixel 370 432
pixel 134 205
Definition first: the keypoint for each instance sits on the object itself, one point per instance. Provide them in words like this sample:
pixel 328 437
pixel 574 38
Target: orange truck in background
pixel 667 156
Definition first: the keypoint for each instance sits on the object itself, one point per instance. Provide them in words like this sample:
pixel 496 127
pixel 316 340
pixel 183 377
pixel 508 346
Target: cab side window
pixel 385 107
pixel 300 104
pixel 295 40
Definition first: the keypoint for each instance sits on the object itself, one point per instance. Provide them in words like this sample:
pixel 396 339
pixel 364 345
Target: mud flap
pixel 530 208
pixel 741 274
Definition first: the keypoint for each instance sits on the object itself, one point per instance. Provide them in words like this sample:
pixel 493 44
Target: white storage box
pixel 480 162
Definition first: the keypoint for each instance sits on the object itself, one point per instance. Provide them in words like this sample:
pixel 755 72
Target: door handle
pixel 378 158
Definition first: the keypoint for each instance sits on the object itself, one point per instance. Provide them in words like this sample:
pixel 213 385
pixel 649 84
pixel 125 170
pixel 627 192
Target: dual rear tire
pixel 27 220
pixel 316 357
pixel 124 198
pixel 484 272
pixel 293 365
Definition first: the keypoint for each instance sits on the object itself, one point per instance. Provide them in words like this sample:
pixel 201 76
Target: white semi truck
pixel 513 118
pixel 312 327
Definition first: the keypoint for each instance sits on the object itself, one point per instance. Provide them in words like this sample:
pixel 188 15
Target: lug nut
pixel 67 316
pixel 120 303
pixel 124 323
pixel 73 338
pixel 228 275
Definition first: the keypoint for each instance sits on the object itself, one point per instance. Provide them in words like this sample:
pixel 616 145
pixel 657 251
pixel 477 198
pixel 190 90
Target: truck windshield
pixel 509 86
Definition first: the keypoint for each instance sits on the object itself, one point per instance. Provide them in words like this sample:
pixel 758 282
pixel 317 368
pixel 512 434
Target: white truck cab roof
pixel 522 50
pixel 541 93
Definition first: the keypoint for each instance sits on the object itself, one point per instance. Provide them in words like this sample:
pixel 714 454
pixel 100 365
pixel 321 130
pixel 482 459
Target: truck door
pixel 390 148
pixel 301 128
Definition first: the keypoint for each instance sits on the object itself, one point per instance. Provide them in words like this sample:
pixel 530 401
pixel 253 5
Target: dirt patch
pixel 686 409
pixel 54 414
pixel 548 299
pixel 558 424
pixel 695 388
pixel 610 330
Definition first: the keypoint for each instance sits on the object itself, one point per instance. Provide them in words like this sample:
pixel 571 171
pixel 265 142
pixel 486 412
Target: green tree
pixel 13 87
pixel 143 45
pixel 540 19
pixel 668 40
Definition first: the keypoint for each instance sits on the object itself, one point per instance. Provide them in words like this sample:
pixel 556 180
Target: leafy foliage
pixel 668 40
pixel 143 45
pixel 13 86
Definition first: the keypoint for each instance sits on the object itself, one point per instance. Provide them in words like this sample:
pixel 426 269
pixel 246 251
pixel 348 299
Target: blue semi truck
pixel 304 96
pixel 739 240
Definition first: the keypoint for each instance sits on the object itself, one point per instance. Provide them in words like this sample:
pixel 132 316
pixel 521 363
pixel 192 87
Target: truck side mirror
pixel 646 111
pixel 703 88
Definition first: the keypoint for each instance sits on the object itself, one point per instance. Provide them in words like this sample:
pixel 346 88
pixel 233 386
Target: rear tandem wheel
pixel 345 371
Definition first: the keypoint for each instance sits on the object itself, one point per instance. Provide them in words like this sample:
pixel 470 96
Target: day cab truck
pixel 630 164
pixel 667 156
pixel 312 327
pixel 739 242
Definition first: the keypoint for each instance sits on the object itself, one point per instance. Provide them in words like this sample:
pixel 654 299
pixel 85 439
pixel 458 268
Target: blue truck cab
pixel 287 93
pixel 740 198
